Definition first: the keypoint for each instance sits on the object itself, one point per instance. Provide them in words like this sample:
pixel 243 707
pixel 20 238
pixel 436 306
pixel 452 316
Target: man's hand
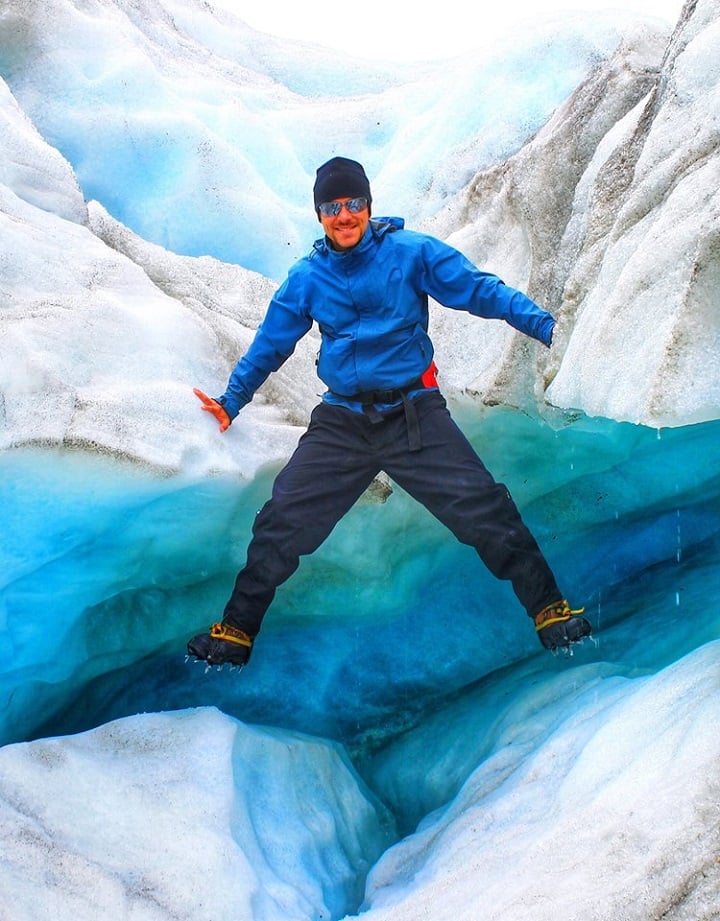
pixel 214 408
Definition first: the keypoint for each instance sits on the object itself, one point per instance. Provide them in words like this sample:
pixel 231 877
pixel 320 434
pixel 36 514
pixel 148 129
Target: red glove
pixel 212 406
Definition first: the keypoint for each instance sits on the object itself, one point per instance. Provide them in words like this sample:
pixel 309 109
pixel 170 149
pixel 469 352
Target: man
pixel 366 284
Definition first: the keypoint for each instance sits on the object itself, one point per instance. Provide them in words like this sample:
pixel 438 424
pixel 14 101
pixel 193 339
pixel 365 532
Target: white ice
pixel 182 815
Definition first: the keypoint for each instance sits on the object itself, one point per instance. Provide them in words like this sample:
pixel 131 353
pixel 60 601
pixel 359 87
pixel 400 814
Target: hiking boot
pixel 558 627
pixel 223 644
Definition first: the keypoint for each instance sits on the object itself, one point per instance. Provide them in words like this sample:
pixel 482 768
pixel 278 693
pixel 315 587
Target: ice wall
pixel 610 214
pixel 546 220
pixel 392 639
pixel 608 818
pixel 204 136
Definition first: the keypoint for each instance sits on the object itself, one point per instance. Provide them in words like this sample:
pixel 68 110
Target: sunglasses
pixel 333 208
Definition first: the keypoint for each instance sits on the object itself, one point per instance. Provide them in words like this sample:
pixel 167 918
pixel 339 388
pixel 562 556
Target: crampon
pixel 560 628
pixel 222 645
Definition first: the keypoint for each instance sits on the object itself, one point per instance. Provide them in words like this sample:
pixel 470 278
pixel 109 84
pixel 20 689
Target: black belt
pixel 368 399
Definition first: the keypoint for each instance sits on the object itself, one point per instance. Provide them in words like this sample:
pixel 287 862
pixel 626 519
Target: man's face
pixel 346 229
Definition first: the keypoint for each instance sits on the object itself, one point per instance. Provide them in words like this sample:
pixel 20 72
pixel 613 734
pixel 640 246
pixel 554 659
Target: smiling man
pixel 366 283
pixel 345 221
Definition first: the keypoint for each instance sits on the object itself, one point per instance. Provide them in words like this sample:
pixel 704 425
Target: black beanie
pixel 340 178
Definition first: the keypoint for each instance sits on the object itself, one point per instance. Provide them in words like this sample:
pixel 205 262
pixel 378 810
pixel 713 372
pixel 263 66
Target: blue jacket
pixel 371 306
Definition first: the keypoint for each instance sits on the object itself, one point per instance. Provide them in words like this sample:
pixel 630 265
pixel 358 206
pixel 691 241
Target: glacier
pixel 400 746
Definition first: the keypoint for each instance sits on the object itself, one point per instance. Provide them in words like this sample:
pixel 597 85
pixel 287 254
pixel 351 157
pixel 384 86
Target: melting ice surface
pixel 111 567
pixel 391 640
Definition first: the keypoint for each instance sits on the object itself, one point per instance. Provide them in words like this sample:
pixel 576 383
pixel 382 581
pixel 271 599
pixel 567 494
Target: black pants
pixel 337 459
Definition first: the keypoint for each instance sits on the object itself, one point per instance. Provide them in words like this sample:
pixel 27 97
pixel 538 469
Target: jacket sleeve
pixel 285 323
pixel 453 281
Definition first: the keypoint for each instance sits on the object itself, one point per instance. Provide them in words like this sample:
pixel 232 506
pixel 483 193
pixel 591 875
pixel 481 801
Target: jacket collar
pixel 376 229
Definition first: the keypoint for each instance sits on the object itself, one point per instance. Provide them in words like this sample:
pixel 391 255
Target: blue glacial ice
pixel 109 568
pixel 392 640
pixel 191 137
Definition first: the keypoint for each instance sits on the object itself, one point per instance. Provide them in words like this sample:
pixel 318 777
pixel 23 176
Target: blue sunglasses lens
pixel 333 208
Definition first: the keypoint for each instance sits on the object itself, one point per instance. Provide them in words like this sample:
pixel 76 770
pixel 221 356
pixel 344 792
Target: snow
pixel 247 822
pixel 660 271
pixel 613 815
pixel 398 717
